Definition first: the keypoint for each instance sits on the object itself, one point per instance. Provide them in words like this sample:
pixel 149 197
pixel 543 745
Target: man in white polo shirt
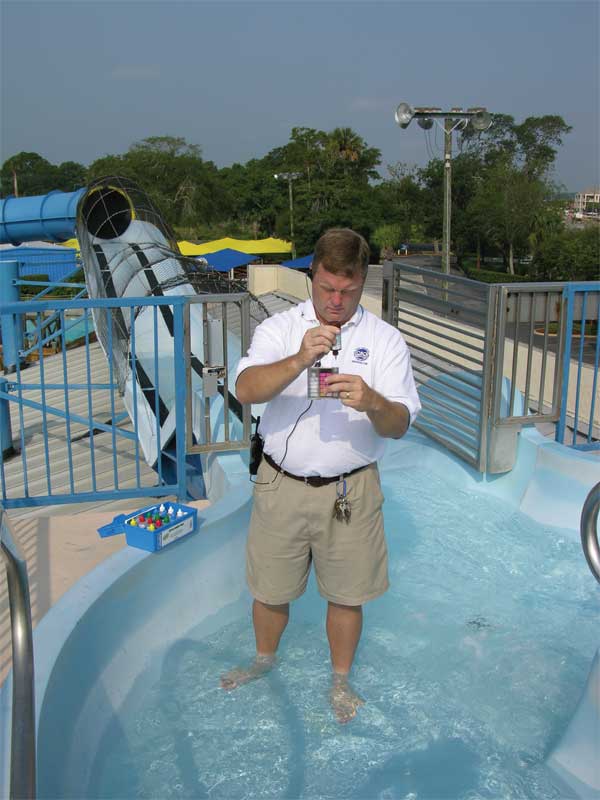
pixel 317 497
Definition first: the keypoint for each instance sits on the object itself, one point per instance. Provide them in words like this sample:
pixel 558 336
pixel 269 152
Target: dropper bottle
pixel 337 345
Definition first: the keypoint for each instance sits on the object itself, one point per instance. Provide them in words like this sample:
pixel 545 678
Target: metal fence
pixel 75 441
pixel 447 323
pixel 489 359
pixel 580 400
pixel 221 314
pixel 77 433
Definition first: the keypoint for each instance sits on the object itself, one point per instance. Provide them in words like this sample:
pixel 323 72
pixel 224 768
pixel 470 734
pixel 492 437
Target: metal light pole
pixel 446 244
pixel 453 119
pixel 289 177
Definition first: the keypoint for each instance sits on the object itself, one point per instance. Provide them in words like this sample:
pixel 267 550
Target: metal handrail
pixel 22 748
pixel 589 531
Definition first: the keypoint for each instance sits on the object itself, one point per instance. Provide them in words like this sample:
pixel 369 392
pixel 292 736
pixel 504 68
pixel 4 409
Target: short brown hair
pixel 342 251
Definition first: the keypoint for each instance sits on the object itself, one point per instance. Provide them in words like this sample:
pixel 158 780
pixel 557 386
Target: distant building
pixel 585 199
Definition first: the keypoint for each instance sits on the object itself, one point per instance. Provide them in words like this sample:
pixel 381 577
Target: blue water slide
pixel 50 217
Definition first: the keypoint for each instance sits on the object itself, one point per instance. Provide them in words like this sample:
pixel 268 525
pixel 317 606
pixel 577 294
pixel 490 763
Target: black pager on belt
pixel 256 450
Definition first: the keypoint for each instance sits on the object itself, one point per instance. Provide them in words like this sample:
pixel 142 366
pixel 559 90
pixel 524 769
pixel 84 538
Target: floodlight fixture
pixel 404 114
pixel 481 120
pixel 425 122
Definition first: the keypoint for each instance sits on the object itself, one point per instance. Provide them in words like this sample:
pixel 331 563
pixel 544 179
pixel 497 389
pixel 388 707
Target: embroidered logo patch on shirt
pixel 361 354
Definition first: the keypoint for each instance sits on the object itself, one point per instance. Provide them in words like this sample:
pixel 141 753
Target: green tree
pixel 506 205
pixel 172 146
pixel 184 187
pixel 531 145
pixel 400 202
pixel 32 173
pixel 466 174
pixel 70 176
pixel 568 255
pixel 334 184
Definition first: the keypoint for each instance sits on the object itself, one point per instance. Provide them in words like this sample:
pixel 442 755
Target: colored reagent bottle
pixel 337 345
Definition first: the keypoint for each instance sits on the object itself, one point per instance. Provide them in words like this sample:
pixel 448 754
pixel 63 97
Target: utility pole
pixel 446 244
pixel 453 119
pixel 290 177
pixel 292 217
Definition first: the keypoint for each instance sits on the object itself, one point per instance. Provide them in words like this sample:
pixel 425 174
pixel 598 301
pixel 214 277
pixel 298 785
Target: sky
pixel 83 79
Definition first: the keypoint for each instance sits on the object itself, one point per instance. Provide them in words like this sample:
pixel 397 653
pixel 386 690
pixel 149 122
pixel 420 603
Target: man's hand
pixel 262 382
pixel 390 419
pixel 316 343
pixel 354 392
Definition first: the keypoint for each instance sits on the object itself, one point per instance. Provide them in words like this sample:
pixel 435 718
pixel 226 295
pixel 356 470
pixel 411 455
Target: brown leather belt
pixel 313 480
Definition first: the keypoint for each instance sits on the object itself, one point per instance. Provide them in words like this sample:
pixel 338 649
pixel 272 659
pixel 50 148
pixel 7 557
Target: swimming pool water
pixel 471 666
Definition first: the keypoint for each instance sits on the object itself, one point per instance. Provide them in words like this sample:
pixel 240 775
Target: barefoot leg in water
pixel 269 624
pixel 344 700
pixel 344 626
pixel 241 675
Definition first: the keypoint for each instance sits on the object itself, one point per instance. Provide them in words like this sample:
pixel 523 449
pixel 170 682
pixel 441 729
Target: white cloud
pixel 135 72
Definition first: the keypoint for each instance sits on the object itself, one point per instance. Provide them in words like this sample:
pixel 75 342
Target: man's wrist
pixel 376 404
pixel 297 365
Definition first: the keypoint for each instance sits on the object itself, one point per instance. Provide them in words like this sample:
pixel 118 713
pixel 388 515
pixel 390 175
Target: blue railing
pixel 582 353
pixel 64 412
pixel 25 339
pixel 50 330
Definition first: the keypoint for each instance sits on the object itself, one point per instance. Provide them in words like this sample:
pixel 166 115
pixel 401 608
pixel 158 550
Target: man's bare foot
pixel 241 675
pixel 344 701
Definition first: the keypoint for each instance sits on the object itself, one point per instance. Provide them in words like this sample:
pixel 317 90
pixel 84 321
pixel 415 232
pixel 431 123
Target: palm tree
pixel 346 146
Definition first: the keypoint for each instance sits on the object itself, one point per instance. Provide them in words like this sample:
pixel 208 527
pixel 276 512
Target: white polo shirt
pixel 330 438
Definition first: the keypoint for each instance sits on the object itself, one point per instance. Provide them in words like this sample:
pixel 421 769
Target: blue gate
pixel 580 361
pixel 74 439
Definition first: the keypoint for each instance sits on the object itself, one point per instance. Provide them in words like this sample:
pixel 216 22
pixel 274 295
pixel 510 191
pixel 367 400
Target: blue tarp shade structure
pixel 224 260
pixel 299 263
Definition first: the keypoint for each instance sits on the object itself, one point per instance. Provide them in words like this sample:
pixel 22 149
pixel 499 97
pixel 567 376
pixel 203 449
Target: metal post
pixel 22 758
pixel 6 444
pixel 180 400
pixel 290 178
pixel 387 309
pixel 448 127
pixel 11 325
pixel 589 531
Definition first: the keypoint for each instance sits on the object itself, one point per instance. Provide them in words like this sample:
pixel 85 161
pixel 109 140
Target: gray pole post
pixel 22 756
pixel 6 442
pixel 290 179
pixel 10 324
pixel 448 124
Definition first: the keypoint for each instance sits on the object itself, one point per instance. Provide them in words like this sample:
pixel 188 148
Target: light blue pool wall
pixel 198 581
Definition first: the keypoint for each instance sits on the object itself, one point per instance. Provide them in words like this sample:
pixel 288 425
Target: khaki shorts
pixel 293 525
